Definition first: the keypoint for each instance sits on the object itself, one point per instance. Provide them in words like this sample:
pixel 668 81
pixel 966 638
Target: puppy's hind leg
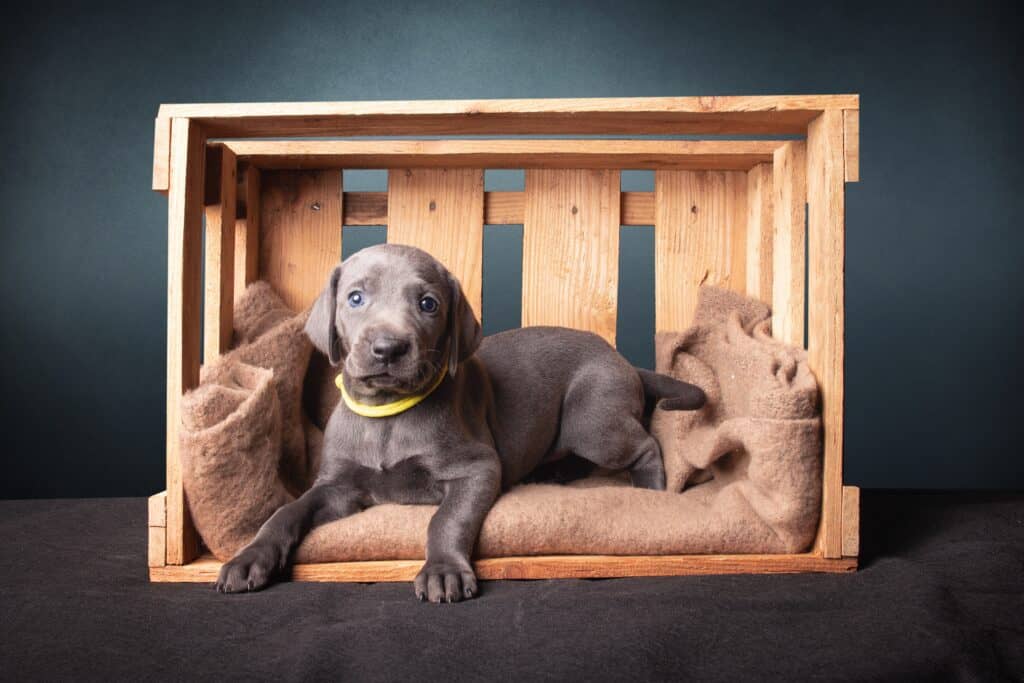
pixel 648 470
pixel 619 442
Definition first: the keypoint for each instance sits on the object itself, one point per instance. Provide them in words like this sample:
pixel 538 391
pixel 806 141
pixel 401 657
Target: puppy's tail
pixel 673 394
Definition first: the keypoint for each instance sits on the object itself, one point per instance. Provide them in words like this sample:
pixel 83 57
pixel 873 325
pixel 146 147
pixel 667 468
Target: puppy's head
pixel 393 317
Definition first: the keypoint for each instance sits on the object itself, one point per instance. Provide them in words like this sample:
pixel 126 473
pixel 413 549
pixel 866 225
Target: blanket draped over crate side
pixel 744 472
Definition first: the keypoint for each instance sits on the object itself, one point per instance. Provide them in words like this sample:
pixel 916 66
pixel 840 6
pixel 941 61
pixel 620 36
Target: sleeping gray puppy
pixel 487 412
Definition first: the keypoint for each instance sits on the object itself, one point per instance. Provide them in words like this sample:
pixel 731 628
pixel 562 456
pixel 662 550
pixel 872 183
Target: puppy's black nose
pixel 388 349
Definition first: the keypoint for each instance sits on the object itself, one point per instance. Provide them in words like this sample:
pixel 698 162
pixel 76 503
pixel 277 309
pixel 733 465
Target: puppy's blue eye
pixel 428 304
pixel 355 299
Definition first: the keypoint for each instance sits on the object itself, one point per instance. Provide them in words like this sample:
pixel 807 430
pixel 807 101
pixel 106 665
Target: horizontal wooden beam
pixel 783 114
pixel 727 155
pixel 500 208
pixel 205 569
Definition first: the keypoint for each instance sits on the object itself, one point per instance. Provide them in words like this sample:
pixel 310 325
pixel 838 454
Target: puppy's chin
pixel 385 382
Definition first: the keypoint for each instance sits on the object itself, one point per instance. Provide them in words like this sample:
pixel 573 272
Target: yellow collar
pixel 387 409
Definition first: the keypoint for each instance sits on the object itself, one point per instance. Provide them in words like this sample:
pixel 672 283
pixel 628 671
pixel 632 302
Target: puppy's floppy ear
pixel 463 328
pixel 321 327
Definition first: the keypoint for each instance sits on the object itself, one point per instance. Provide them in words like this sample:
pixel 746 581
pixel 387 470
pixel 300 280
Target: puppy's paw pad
pixel 248 571
pixel 445 582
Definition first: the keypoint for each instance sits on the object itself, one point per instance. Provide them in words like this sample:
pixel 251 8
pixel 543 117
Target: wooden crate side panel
pixel 184 294
pixel 500 208
pixel 540 567
pixel 785 114
pixel 299 232
pixel 759 233
pixel 571 249
pixel 851 144
pixel 725 155
pixel 851 521
pixel 826 296
pixel 247 230
pixel 161 154
pixel 789 198
pixel 700 226
pixel 220 256
pixel 441 210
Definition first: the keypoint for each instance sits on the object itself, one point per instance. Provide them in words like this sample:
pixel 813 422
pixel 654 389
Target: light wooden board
pixel 789 200
pixel 700 239
pixel 734 155
pixel 571 249
pixel 441 210
pixel 161 154
pixel 851 144
pixel 220 257
pixel 184 300
pixel 782 114
pixel 157 509
pixel 825 320
pixel 500 208
pixel 365 208
pixel 300 232
pixel 156 548
pixel 247 231
pixel 759 233
pixel 541 567
pixel 851 521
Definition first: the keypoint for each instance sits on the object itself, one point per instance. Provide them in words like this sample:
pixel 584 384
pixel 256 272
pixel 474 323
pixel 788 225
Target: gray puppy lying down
pixel 433 415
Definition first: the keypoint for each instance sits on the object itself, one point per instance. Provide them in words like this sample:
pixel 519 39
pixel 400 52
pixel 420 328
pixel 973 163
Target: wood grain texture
pixel 441 210
pixel 700 238
pixel 637 208
pixel 851 144
pixel 161 154
pixel 247 231
pixel 184 301
pixel 504 208
pixel 157 509
pixel 826 240
pixel 737 155
pixel 789 198
pixel 220 257
pixel 156 547
pixel 365 208
pixel 205 569
pixel 760 237
pixel 299 232
pixel 851 521
pixel 781 114
pixel 571 249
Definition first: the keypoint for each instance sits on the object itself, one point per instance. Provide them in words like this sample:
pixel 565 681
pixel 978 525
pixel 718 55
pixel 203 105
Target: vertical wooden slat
pixel 220 258
pixel 851 144
pixel 571 249
pixel 247 232
pixel 851 521
pixel 300 232
pixel 184 292
pixel 825 320
pixel 700 223
pixel 441 210
pixel 759 232
pixel 789 193
pixel 161 154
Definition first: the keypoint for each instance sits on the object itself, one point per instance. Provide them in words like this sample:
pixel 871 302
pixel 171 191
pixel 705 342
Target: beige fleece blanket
pixel 744 472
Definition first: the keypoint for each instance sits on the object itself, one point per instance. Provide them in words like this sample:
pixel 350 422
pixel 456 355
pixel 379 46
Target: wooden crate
pixel 726 209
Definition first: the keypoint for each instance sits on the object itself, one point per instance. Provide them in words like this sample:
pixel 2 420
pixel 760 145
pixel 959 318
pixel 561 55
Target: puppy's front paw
pixel 448 580
pixel 249 570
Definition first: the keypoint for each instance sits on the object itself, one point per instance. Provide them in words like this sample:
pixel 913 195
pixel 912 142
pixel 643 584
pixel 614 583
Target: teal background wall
pixel 934 278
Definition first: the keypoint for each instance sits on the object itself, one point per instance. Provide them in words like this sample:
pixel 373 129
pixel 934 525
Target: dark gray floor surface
pixel 939 596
